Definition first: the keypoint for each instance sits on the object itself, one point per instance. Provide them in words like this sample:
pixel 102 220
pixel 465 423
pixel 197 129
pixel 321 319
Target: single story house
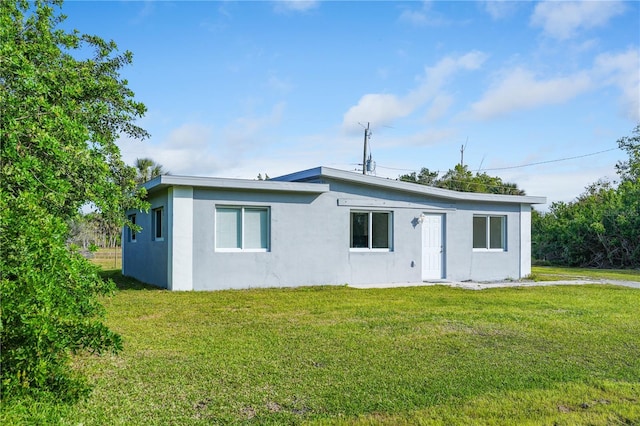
pixel 323 226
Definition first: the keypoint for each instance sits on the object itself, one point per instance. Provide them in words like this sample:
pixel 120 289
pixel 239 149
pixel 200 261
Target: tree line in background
pixel 460 178
pixel 601 228
pixel 93 230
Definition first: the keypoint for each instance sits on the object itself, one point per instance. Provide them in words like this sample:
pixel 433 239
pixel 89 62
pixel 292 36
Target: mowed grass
pixel 108 259
pixel 336 355
pixel 554 273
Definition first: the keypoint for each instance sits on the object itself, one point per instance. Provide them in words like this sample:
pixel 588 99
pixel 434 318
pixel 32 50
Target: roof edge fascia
pixel 234 184
pixel 319 172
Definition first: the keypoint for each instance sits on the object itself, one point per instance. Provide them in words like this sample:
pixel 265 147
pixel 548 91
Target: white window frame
pixel 242 248
pixel 370 247
pixel 503 231
pixel 154 223
pixel 133 238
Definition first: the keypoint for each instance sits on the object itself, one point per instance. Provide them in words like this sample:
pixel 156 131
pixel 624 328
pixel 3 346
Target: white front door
pixel 432 247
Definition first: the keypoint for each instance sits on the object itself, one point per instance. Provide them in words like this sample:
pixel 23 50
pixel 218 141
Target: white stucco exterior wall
pixel 180 236
pixel 309 226
pixel 525 240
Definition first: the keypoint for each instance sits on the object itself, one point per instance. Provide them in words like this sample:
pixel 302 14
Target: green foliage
pixel 629 170
pixel 59 122
pixel 49 308
pixel 425 177
pixel 602 227
pixel 148 169
pixel 460 178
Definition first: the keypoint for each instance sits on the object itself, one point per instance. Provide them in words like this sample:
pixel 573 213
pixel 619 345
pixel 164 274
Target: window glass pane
pixel 132 233
pixel 496 225
pixel 479 232
pixel 360 230
pixel 228 231
pixel 255 228
pixel 158 223
pixel 380 231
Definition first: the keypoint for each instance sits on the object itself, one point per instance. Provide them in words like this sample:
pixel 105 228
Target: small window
pixel 371 230
pixel 242 228
pixel 157 224
pixel 132 233
pixel 489 232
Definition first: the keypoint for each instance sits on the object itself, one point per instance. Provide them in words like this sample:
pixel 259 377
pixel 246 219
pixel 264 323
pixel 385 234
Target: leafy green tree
pixel 460 178
pixel 482 182
pixel 148 169
pixel 629 170
pixel 425 177
pixel 60 117
pixel 601 228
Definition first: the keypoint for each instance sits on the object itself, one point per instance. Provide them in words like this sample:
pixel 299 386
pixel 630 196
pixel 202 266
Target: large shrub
pixel 59 119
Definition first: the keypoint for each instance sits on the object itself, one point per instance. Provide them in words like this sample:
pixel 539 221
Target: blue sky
pixel 234 89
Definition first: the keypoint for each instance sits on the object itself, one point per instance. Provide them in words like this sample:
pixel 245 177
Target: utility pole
pixel 364 153
pixel 462 148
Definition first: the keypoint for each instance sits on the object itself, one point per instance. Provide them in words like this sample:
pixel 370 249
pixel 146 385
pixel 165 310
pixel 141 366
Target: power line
pixel 548 161
pixel 519 166
pixel 395 168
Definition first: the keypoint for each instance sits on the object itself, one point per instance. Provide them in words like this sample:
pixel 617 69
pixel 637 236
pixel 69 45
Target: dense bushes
pixel 601 228
pixel 59 123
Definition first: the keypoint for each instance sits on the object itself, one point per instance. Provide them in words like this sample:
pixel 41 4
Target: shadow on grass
pixel 125 283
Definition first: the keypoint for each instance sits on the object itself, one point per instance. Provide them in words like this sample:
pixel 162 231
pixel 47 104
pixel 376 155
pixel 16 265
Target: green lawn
pixel 553 273
pixel 336 355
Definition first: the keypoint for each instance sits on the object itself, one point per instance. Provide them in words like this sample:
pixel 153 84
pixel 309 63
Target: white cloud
pixel 422 16
pixel 520 89
pixel 279 85
pixel 194 149
pixel 187 150
pixel 284 6
pixel 500 9
pixel 563 19
pixel 621 70
pixel 147 9
pixel 247 135
pixel 382 109
pixel 439 106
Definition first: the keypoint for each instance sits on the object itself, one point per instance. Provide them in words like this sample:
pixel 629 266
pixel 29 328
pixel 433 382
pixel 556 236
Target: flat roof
pixel 398 185
pixel 165 181
pixel 299 182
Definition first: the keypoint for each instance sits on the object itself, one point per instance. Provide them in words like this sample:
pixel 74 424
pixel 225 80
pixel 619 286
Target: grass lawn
pixel 553 273
pixel 336 355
